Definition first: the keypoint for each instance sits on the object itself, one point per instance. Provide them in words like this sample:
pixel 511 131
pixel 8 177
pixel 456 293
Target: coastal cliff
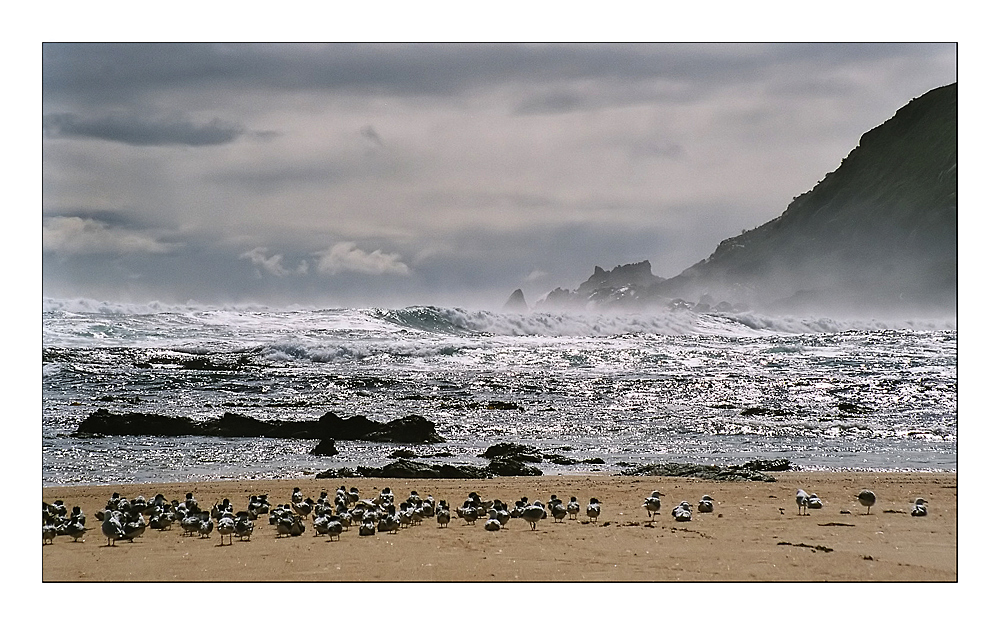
pixel 877 235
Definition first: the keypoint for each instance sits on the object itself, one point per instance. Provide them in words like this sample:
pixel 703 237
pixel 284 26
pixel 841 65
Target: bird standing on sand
pixel 593 509
pixel 867 498
pixel 48 533
pixel 226 526
pixel 533 513
pixel 814 502
pixel 206 526
pixel 652 505
pixel 573 508
pixel 297 495
pixel 244 525
pixel 801 500
pixel 111 527
pixel 558 510
pixel 503 515
pixel 335 528
pixel 919 507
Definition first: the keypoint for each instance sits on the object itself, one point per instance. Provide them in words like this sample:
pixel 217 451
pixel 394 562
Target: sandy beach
pixel 746 538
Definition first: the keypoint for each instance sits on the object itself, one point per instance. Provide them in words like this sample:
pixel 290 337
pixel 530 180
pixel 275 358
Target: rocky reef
pixel 410 429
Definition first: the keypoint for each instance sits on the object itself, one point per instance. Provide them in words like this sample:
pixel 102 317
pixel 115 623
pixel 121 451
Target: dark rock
pixel 559 459
pixel 406 454
pixel 516 303
pixel 136 423
pixel 509 467
pixel 593 461
pixel 513 451
pixel 326 447
pixel 734 473
pixel 411 429
pixel 409 469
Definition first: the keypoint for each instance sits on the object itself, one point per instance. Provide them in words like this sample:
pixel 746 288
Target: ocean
pixel 628 389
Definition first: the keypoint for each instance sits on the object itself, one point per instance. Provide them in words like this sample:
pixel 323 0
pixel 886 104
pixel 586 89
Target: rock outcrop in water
pixel 411 429
pixel 877 236
pixel 516 302
pixel 746 472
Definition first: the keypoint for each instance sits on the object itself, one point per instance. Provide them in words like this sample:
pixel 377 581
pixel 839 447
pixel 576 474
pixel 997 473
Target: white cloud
pixel 537 275
pixel 272 264
pixel 77 235
pixel 347 257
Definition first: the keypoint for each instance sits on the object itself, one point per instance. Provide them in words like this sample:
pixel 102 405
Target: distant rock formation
pixel 626 287
pixel 878 235
pixel 516 303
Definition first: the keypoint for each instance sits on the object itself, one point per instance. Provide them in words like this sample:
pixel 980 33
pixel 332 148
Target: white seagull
pixel 867 498
pixel 594 509
pixel 652 505
pixel 801 500
pixel 573 508
pixel 533 513
pixel 706 504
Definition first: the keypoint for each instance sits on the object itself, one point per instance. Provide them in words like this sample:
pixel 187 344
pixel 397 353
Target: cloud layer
pixel 379 174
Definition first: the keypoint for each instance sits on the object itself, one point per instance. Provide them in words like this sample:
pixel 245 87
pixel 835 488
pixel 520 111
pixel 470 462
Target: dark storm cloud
pixel 127 72
pixel 133 131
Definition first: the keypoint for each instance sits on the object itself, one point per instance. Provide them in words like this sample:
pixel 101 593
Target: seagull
pixel 706 504
pixel 112 527
pixel 682 512
pixel 190 502
pixel 391 521
pixel 652 505
pixel 48 533
pixel 558 510
pixel 594 509
pixel 919 507
pixel 353 496
pixel 814 502
pixel 321 524
pixel 573 508
pixel 334 528
pixel 533 513
pixel 367 528
pixel 303 507
pixel 801 499
pixel 867 498
pixel 206 526
pixel 386 496
pixel 443 514
pixel 469 513
pixel 493 523
pixel 226 527
pixel 244 525
pixel 75 529
pixel 296 495
pixel 190 524
pixel 503 515
pixel 134 527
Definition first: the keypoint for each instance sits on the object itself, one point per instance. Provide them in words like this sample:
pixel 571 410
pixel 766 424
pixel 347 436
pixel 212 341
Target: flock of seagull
pixel 126 519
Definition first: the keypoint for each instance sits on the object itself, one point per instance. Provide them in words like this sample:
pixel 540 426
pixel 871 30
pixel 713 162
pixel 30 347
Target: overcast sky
pixel 391 175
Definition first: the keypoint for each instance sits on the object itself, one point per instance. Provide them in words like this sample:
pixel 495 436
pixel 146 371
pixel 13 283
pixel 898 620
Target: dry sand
pixel 746 538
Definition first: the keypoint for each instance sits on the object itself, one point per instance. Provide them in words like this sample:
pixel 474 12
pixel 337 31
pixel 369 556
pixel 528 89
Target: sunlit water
pixel 629 389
